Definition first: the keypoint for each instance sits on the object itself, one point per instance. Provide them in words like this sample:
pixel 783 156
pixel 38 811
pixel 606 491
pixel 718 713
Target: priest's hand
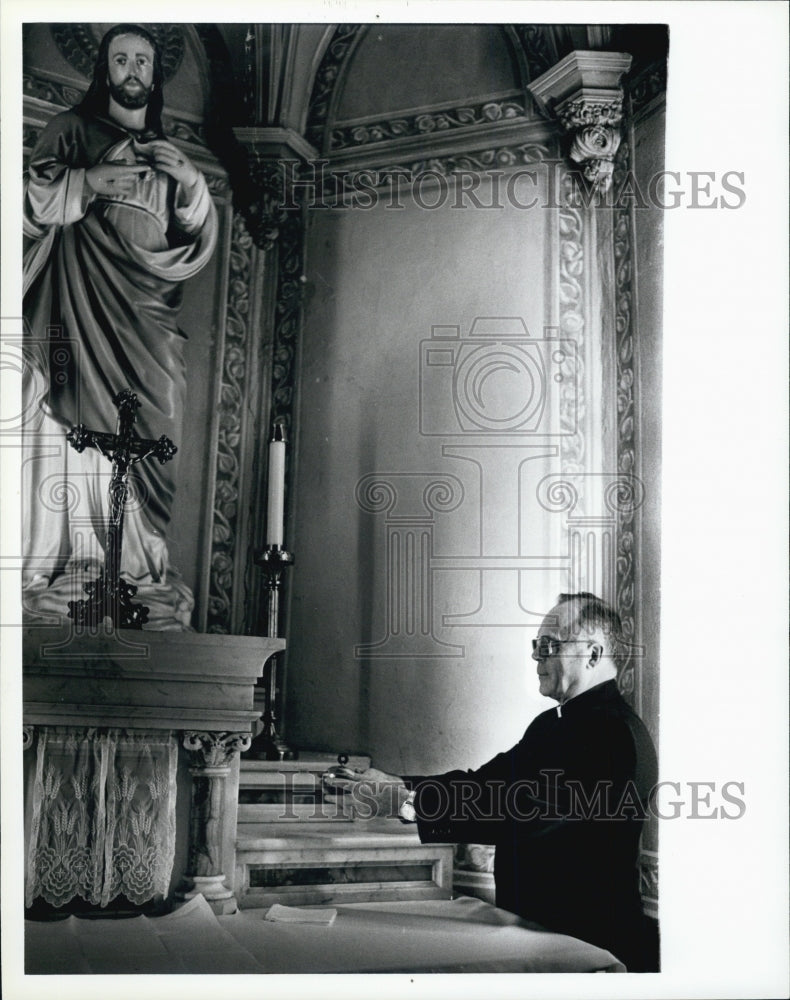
pixel 114 178
pixel 164 156
pixel 371 792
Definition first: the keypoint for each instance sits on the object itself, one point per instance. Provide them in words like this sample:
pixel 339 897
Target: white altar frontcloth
pixel 425 936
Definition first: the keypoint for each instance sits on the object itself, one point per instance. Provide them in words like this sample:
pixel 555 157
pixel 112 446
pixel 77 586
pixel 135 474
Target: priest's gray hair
pixel 593 613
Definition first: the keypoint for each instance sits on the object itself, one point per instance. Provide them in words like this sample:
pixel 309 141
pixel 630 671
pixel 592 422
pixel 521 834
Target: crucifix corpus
pixel 109 596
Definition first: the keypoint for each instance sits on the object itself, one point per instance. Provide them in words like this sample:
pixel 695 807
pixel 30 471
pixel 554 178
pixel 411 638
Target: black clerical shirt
pixel 565 808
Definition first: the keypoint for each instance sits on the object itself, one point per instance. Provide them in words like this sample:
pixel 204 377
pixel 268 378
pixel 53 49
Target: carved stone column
pixel 276 158
pixel 583 92
pixel 212 754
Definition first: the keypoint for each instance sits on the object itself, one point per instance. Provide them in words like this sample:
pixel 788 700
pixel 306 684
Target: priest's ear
pixel 595 654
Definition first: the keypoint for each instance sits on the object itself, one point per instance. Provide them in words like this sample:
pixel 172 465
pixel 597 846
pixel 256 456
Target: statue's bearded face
pixel 130 70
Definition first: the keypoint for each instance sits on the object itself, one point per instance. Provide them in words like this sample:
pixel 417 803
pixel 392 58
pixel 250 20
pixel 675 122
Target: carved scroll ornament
pixel 583 93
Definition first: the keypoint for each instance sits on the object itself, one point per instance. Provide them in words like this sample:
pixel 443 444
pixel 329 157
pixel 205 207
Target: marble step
pixel 294 811
pixel 291 791
pixel 268 773
pixel 326 863
pixel 364 833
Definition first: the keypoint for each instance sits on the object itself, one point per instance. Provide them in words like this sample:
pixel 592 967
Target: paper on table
pixel 297 915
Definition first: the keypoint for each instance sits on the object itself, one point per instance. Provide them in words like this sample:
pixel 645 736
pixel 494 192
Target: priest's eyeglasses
pixel 547 645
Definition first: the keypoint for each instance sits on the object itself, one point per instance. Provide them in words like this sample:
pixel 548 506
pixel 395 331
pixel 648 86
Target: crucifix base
pixel 109 599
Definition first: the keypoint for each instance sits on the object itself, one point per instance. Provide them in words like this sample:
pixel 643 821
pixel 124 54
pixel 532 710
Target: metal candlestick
pixel 267 745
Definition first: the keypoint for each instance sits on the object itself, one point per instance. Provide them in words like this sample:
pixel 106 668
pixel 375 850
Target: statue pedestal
pixel 198 687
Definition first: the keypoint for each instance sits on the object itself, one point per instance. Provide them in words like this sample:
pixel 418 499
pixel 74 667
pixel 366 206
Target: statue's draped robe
pixel 103 287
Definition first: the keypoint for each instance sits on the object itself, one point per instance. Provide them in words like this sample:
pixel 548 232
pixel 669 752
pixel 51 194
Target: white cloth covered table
pixel 458 935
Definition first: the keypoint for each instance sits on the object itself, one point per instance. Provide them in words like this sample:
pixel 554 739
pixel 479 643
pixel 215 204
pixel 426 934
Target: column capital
pixel 275 156
pixel 211 750
pixel 583 92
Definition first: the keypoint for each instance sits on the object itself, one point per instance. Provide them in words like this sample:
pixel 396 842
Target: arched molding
pixel 297 110
pixel 328 82
pixel 487 122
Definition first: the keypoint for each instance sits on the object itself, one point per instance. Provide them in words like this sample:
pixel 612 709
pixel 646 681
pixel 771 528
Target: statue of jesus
pixel 117 219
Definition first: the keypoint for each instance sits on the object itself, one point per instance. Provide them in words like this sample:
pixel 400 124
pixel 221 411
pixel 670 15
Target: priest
pixel 565 806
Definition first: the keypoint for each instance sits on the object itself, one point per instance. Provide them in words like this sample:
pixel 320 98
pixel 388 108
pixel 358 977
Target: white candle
pixel 276 488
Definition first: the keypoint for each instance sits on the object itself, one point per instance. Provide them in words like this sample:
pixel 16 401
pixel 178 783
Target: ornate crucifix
pixel 109 596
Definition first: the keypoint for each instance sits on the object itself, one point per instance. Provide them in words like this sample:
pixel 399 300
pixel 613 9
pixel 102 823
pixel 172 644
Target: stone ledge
pixel 167 680
pixel 295 836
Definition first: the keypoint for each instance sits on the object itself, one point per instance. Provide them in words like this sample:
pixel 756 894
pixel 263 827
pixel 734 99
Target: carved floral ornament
pixel 344 135
pixel 583 92
pixel 212 750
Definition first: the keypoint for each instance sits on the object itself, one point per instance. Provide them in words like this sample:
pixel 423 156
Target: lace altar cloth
pixel 103 815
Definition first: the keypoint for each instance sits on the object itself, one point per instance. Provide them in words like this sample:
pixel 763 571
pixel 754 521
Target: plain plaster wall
pixel 378 280
pixel 396 67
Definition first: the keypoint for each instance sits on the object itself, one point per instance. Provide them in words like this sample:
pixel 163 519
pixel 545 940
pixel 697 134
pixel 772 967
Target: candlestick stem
pixel 268 745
